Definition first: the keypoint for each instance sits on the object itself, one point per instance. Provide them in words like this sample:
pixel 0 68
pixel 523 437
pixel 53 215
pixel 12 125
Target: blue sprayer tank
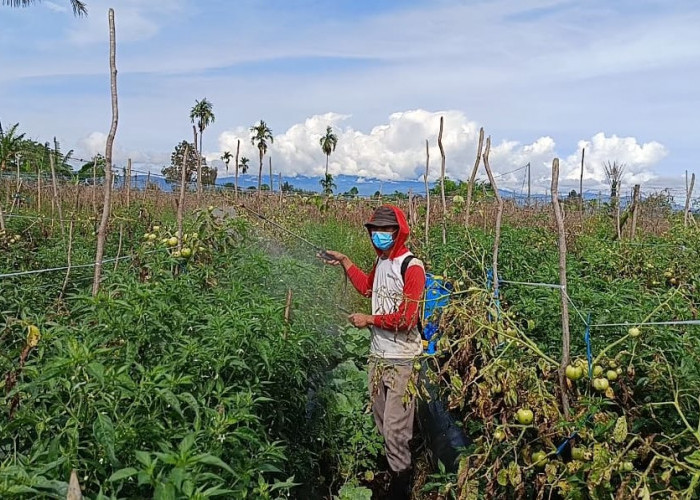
pixel 437 295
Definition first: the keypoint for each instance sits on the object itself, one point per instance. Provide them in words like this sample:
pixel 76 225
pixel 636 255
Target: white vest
pixel 387 295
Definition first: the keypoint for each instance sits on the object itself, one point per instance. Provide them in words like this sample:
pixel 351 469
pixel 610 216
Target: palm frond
pixel 79 7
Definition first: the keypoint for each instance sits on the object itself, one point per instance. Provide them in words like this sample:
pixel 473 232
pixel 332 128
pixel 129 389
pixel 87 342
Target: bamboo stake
pixel 635 210
pixel 688 195
pixel 238 148
pixel 56 202
pixel 145 187
pixel 427 192
pixel 68 259
pixel 442 184
pixel 288 307
pixel 181 201
pixel 580 184
pixel 199 167
pixel 119 247
pixel 94 185
pixel 38 188
pixel 74 491
pixel 499 215
pixel 15 200
pixel 563 282
pixel 127 181
pixel 102 231
pixel 472 177
pixel 2 219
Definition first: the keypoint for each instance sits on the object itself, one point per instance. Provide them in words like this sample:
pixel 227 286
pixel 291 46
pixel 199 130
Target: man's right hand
pixel 337 258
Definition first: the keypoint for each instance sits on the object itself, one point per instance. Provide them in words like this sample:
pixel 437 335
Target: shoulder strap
pixel 404 265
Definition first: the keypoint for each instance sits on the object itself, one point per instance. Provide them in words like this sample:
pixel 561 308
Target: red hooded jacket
pixel 406 316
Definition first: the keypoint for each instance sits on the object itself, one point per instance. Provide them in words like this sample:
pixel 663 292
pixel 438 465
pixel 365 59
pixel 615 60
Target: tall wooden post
pixel 127 181
pixel 499 214
pixel 688 196
pixel 559 216
pixel 56 201
pixel 102 231
pixel 580 183
pixel 472 177
pixel 427 193
pixel 635 210
pixel 238 148
pixel 442 184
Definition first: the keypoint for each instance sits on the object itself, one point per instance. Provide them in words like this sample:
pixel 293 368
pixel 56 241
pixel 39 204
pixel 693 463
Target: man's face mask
pixel 383 240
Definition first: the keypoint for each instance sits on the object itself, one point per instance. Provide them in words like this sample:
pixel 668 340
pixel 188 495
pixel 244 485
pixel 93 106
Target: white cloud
pixel 396 151
pixel 56 7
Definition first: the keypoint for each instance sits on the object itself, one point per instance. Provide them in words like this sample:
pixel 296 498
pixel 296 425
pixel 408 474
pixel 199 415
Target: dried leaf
pixel 620 431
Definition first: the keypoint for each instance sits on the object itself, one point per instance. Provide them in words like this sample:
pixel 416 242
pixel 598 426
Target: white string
pixel 65 268
pixel 684 322
pixel 545 285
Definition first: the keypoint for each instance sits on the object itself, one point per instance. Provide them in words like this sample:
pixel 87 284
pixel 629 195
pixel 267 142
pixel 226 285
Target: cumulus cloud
pixel 95 143
pixel 396 150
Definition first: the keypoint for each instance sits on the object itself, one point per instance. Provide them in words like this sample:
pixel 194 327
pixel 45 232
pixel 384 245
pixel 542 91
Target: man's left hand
pixel 359 320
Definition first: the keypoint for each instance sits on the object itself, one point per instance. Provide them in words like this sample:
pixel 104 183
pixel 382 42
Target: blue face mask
pixel 382 240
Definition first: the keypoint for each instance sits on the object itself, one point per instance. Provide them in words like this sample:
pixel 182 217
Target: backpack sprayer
pixel 321 252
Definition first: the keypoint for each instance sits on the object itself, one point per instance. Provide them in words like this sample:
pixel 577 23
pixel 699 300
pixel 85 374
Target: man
pixel 395 284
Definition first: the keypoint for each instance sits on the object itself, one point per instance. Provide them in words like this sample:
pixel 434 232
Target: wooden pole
pixel 279 185
pixel 145 187
pixel 56 201
pixel 119 246
pixel 559 216
pixel 472 177
pixel 199 166
pixel 427 193
pixel 442 184
pixel 269 161
pixel 528 183
pixel 499 215
pixel 688 196
pixel 238 148
pixel 102 231
pixel 94 184
pixel 635 210
pixel 2 219
pixel 128 183
pixel 38 187
pixel 70 250
pixel 580 183
pixel 181 201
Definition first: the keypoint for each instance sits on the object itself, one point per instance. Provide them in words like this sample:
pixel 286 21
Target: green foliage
pixel 173 173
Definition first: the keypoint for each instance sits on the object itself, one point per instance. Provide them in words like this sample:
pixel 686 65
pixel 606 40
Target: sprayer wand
pixel 321 252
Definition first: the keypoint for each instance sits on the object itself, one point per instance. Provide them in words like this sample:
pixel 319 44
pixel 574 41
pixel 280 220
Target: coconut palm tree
pixel 243 167
pixel 79 8
pixel 202 115
pixel 327 184
pixel 261 135
pixel 226 158
pixel 328 143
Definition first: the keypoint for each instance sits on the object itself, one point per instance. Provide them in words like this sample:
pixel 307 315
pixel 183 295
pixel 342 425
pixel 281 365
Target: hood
pixel 399 247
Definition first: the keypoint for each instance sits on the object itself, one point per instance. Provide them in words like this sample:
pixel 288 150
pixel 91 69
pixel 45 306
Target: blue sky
pixel 544 78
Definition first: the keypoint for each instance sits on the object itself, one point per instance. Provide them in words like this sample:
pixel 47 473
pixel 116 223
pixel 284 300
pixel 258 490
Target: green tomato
pixel 499 435
pixel 539 459
pixel 601 384
pixel 574 372
pixel 525 416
